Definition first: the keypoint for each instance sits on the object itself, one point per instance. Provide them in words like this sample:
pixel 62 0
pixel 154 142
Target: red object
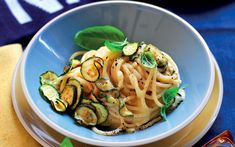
pixel 79 64
pixel 224 139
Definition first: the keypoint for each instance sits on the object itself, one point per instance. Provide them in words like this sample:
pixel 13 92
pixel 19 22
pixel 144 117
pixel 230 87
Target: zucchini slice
pixel 104 84
pixel 86 101
pixel 59 105
pixel 98 60
pixel 48 92
pixel 112 100
pixel 79 89
pixel 69 94
pixel 48 77
pixel 101 112
pixel 72 64
pixel 85 116
pixel 89 69
pixel 161 60
pixel 123 111
pixel 130 49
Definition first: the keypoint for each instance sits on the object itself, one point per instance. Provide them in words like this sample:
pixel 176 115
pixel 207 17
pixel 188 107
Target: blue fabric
pixel 216 24
pixel 15 29
pixel 217 27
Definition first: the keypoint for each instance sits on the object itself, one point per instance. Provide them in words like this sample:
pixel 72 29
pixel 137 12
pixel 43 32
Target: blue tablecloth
pixel 216 23
pixel 217 27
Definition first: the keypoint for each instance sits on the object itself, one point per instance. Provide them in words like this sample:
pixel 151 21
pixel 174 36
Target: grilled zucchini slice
pixel 48 92
pixel 101 112
pixel 72 64
pixel 85 116
pixel 130 49
pixel 48 77
pixel 123 111
pixel 86 101
pixel 79 90
pixel 51 78
pixel 59 105
pixel 104 84
pixel 90 68
pixel 112 100
pixel 69 94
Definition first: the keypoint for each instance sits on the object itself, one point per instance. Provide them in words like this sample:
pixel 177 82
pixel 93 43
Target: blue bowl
pixel 52 46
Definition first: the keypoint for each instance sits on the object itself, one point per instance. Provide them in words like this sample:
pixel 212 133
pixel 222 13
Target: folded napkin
pixel 12 133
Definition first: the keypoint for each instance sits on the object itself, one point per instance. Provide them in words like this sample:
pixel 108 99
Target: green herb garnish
pixel 147 59
pixel 168 96
pixel 115 46
pixel 66 143
pixel 94 37
pixel 163 112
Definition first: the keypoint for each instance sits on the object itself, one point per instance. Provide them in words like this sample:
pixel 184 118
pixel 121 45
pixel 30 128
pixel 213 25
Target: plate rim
pixel 16 108
pixel 219 103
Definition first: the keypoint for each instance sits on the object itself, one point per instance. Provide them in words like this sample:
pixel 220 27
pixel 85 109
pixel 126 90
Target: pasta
pixel 140 87
pixel 131 92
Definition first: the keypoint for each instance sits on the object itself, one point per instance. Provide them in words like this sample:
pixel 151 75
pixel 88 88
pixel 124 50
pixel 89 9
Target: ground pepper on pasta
pixel 139 89
pixel 120 87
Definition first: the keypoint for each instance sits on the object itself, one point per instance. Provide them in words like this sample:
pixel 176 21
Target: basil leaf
pixel 94 37
pixel 115 46
pixel 169 95
pixel 163 112
pixel 147 59
pixel 66 143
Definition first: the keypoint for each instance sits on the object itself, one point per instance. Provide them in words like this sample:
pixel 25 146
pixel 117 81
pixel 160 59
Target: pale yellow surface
pixel 12 133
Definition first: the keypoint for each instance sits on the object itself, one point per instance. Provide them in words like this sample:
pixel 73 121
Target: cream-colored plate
pixel 188 136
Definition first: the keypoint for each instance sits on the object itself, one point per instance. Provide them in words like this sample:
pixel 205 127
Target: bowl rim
pixel 108 143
